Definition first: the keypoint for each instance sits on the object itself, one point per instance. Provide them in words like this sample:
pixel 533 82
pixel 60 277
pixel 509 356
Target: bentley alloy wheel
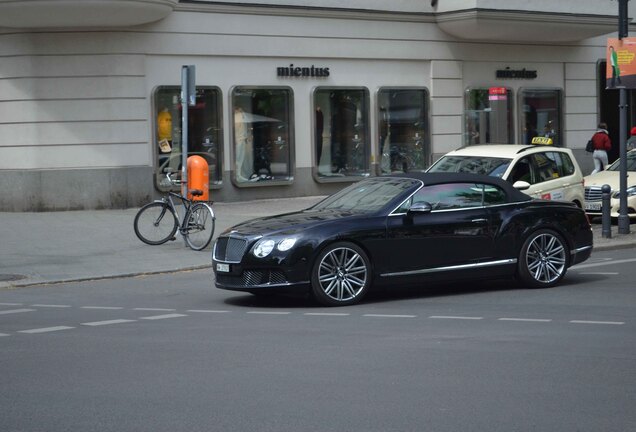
pixel 341 275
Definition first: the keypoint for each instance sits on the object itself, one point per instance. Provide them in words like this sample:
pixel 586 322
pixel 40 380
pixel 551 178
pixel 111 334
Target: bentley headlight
pixel 286 244
pixel 264 248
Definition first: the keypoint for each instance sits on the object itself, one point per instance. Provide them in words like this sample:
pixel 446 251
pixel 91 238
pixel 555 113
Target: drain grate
pixel 11 277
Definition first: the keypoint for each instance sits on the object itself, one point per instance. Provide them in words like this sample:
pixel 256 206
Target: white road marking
pixel 456 317
pixel 50 306
pixel 101 323
pixel 600 273
pixel 389 316
pixel 526 319
pixel 268 313
pixel 10 304
pixel 11 311
pixel 326 314
pixel 46 329
pixel 3 334
pixel 597 322
pixel 154 309
pixel 207 311
pixel 158 317
pixel 597 264
pixel 102 307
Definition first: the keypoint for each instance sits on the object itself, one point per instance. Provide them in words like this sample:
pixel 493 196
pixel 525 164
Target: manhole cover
pixel 11 277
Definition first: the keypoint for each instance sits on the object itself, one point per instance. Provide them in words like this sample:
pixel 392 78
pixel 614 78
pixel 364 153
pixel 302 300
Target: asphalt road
pixel 169 353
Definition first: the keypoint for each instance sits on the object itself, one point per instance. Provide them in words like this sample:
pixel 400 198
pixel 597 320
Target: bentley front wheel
pixel 341 275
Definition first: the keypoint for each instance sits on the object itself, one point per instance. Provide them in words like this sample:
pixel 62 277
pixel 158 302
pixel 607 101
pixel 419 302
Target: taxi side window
pixel 546 166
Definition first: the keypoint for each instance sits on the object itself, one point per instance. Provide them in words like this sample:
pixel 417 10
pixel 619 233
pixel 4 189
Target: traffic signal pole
pixel 623 217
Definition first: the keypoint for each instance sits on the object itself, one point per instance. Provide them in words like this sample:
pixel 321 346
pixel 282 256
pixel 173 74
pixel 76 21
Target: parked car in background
pixel 611 176
pixel 547 172
pixel 404 229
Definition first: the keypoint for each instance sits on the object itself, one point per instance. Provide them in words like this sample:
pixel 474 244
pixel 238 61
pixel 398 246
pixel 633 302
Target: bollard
pixel 605 207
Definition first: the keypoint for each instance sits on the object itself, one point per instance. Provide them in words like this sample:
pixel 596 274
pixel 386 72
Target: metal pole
pixel 623 217
pixel 184 130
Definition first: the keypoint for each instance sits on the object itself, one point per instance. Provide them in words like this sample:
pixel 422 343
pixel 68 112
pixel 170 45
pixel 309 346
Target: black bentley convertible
pixel 405 229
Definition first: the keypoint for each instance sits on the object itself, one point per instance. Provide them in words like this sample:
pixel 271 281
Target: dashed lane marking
pixel 526 319
pixel 154 309
pixel 51 306
pixel 166 316
pixel 456 317
pixel 3 334
pixel 389 316
pixel 600 273
pixel 12 311
pixel 102 307
pixel 207 311
pixel 46 329
pixel 101 323
pixel 597 322
pixel 10 304
pixel 326 314
pixel 268 313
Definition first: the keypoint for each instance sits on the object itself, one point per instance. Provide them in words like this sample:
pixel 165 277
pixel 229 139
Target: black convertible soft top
pixel 514 195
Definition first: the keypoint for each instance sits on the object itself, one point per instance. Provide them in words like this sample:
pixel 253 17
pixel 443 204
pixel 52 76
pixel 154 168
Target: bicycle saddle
pixel 196 192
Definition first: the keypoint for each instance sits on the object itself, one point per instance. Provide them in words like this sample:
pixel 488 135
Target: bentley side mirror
pixel 421 207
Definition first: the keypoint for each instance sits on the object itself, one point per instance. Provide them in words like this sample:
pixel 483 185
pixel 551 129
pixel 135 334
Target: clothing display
pixel 243 140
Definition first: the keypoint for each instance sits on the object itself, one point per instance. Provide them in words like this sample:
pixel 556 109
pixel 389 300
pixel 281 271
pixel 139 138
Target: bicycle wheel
pixel 155 223
pixel 200 226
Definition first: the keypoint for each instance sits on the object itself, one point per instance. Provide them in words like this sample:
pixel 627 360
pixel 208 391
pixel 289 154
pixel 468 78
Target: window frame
pixel 510 116
pixel 560 114
pixel 377 149
pixel 367 131
pixel 291 144
pixel 213 183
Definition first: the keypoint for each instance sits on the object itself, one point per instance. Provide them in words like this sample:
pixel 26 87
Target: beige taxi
pixel 541 171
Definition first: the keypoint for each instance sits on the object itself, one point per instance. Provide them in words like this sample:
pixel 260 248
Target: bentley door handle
pixel 479 220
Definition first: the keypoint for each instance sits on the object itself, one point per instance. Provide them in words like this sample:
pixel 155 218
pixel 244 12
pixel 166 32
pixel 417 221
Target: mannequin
pixel 243 142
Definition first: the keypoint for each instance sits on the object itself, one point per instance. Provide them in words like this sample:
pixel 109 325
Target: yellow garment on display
pixel 164 125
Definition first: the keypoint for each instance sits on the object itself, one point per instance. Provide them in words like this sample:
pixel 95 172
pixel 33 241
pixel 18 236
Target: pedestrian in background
pixel 602 144
pixel 631 142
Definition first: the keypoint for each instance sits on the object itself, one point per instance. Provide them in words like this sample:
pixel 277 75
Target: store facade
pixel 291 100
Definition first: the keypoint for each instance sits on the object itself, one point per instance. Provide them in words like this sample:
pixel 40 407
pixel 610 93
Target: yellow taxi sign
pixel 542 140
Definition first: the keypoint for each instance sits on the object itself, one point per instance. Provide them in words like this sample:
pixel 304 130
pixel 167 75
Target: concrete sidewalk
pixel 39 248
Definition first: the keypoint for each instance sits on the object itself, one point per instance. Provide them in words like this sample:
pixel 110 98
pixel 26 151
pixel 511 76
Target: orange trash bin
pixel 198 178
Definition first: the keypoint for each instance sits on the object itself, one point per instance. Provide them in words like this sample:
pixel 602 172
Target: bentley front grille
pixel 230 249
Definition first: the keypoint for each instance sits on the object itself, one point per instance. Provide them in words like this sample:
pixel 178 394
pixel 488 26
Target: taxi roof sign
pixel 542 140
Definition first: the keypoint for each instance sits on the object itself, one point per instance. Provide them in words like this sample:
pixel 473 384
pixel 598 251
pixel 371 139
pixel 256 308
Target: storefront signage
pixel 302 71
pixel 497 93
pixel 518 74
pixel 621 67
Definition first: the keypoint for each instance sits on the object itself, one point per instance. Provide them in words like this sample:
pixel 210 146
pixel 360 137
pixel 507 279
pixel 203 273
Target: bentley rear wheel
pixel 341 275
pixel 543 260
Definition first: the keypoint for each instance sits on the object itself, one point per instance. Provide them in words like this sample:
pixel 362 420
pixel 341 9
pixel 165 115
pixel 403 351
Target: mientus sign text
pixel 302 71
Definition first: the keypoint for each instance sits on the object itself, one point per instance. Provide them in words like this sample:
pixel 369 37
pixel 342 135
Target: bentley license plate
pixel 223 268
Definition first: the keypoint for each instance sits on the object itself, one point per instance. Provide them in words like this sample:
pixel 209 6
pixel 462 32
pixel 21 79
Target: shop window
pixel 341 135
pixel 488 116
pixel 204 132
pixel 262 137
pixel 404 137
pixel 540 115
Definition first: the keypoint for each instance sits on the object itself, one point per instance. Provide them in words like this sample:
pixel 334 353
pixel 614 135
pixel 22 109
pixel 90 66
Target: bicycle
pixel 157 222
